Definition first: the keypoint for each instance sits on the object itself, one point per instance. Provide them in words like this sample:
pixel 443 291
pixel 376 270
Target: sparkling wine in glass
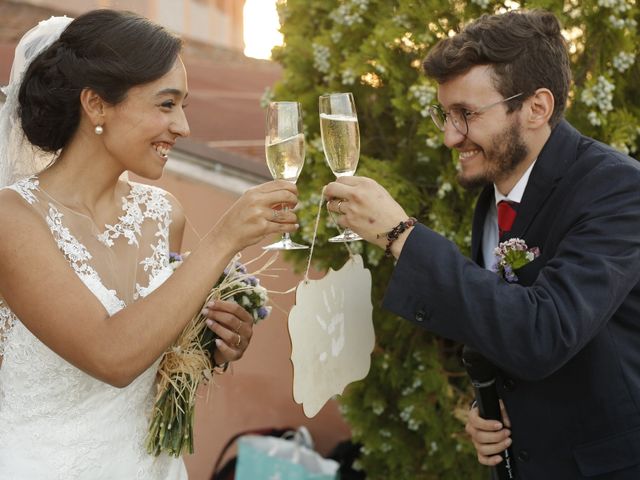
pixel 340 141
pixel 284 147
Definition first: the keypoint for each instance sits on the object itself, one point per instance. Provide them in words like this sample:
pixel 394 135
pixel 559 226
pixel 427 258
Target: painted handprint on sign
pixel 335 321
pixel 332 337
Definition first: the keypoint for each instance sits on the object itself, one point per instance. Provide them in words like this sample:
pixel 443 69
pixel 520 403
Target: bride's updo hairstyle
pixel 108 51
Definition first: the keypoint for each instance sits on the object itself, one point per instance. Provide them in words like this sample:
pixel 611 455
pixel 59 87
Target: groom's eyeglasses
pixel 459 116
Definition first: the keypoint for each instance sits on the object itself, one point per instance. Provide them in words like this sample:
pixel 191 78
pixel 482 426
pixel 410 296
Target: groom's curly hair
pixel 525 49
pixel 108 51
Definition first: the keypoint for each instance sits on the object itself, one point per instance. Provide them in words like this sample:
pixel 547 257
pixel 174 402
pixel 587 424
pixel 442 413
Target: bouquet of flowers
pixel 190 361
pixel 512 255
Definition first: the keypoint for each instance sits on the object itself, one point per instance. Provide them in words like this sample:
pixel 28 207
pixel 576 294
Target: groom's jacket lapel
pixel 482 207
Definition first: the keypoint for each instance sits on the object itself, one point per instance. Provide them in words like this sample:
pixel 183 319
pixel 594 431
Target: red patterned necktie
pixel 506 215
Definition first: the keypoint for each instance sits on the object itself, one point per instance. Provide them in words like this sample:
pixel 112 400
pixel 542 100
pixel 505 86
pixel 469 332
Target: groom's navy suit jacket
pixel 566 337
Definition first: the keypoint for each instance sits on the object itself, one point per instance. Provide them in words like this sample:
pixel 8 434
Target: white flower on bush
pixel 618 6
pixel 424 94
pixel 350 12
pixel 481 3
pixel 405 415
pixel 594 118
pixel 618 23
pixel 380 68
pixel 385 447
pixel 434 142
pixel 402 20
pixel 413 425
pixel 444 189
pixel 423 158
pixel 321 54
pixel 621 147
pixel 599 95
pixel 623 61
pixel 348 77
pixel 621 23
pixel 316 142
pixel 407 391
pixel 373 257
pixel 377 409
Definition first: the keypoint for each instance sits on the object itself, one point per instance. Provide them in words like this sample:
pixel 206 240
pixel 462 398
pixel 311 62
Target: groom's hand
pixel 364 206
pixel 489 437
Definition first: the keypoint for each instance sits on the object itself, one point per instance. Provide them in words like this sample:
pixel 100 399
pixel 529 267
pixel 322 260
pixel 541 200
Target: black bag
pixel 345 453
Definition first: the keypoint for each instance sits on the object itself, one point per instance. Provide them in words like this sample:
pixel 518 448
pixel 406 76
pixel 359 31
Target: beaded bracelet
pixel 395 232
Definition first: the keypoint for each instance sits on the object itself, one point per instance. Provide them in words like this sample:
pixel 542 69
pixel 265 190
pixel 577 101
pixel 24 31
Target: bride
pixel 87 300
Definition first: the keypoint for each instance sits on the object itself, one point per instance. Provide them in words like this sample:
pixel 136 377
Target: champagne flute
pixel 340 141
pixel 284 148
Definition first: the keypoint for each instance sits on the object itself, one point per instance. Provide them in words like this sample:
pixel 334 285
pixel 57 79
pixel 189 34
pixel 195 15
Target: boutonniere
pixel 512 255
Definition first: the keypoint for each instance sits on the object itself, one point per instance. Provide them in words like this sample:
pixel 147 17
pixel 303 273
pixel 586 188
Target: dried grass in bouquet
pixel 190 360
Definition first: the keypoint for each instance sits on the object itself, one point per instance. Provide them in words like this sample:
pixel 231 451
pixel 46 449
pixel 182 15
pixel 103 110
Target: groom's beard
pixel 506 152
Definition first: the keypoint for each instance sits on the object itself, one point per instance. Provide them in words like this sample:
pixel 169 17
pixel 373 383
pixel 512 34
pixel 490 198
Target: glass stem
pixel 285 235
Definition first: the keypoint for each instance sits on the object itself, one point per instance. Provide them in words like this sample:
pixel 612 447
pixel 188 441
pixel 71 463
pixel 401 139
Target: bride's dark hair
pixel 108 51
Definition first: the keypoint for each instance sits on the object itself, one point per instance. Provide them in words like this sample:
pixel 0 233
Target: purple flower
pixel 509 276
pixel 174 257
pixel 512 255
pixel 263 312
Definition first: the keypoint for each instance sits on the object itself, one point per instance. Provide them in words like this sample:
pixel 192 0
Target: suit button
pixel 523 456
pixel 509 385
pixel 420 315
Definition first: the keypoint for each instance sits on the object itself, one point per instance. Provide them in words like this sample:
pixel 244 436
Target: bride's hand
pixel 257 213
pixel 234 327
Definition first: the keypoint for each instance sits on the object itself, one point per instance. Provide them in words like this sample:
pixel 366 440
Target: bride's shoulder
pixel 18 196
pixel 17 216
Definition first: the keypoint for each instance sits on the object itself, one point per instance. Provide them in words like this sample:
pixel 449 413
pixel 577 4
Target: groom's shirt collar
pixel 516 193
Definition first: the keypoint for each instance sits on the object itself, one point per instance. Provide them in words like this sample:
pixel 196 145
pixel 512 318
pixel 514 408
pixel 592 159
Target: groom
pixel 565 337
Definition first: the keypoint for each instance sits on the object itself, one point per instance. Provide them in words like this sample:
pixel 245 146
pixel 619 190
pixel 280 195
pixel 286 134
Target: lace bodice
pixel 57 421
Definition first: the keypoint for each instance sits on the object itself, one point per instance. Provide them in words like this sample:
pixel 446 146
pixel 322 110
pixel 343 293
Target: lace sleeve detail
pixel 158 209
pixel 7 320
pixel 25 189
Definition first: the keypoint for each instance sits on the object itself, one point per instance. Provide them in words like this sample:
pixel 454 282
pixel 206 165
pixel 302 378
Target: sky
pixel 260 28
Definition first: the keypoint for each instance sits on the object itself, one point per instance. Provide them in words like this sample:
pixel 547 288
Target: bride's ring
pixel 276 215
pixel 339 207
pixel 239 340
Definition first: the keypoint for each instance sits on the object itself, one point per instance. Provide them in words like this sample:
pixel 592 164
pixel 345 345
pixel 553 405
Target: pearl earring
pixel 98 130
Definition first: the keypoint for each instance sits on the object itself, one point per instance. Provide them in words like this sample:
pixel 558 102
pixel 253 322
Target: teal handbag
pixel 273 458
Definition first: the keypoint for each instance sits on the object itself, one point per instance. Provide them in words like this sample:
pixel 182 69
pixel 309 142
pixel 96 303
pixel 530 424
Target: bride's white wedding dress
pixel 57 422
